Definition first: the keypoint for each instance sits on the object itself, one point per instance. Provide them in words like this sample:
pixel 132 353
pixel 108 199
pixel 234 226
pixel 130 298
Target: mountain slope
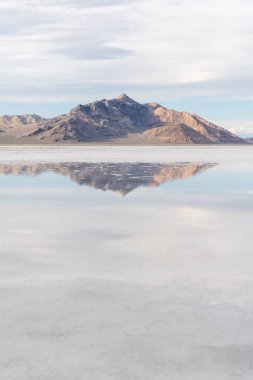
pixel 123 119
pixel 185 128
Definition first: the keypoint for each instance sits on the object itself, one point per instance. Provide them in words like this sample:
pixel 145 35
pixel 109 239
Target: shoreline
pixel 111 144
pixel 125 154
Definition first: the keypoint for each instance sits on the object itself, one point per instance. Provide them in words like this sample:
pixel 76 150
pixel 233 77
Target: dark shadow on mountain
pixel 118 177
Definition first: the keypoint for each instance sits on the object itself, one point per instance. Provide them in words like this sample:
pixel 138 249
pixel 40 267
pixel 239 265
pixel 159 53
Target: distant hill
pixel 120 120
pixel 15 120
pixel 249 140
pixel 13 128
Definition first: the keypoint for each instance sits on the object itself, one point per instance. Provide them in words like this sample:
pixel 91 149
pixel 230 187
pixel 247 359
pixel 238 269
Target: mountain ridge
pixel 21 119
pixel 119 119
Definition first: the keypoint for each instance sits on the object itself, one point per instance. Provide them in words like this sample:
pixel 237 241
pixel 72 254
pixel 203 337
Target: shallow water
pixel 126 270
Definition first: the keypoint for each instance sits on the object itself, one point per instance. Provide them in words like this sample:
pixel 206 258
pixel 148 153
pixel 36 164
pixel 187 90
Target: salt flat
pixel 150 283
pixel 79 153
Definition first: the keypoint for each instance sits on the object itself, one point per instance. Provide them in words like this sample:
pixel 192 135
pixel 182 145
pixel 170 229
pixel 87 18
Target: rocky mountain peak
pixel 125 99
pixel 123 96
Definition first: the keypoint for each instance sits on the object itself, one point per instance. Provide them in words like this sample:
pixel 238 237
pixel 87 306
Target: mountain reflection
pixel 118 177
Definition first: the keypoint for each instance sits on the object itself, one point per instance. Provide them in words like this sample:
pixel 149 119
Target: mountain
pixel 14 127
pixel 117 177
pixel 98 121
pixel 16 120
pixel 124 120
pixel 185 128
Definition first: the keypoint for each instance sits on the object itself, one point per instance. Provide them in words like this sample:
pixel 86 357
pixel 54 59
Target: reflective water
pixel 119 177
pixel 126 270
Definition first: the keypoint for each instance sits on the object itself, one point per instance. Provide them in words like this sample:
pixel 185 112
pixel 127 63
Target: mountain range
pixel 119 120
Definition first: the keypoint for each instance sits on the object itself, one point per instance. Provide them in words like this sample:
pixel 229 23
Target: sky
pixel 185 54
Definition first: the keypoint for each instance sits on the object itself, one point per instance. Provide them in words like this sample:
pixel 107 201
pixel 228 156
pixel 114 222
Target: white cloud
pixel 240 127
pixel 77 50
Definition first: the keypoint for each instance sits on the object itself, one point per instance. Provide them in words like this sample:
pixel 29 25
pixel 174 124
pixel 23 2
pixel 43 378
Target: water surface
pixel 127 270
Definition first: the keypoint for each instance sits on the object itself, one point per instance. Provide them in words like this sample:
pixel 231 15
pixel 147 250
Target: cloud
pixel 243 128
pixel 79 50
